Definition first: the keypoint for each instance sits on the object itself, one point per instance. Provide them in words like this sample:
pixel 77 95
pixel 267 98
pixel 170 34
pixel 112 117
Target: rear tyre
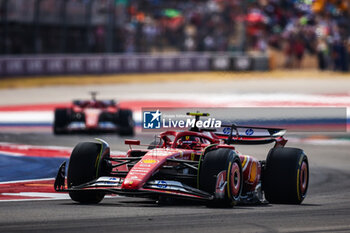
pixel 86 164
pixel 286 176
pixel 61 120
pixel 126 122
pixel 220 174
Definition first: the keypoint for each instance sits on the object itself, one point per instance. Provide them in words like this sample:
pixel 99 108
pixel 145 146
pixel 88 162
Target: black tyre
pixel 220 174
pixel 86 164
pixel 61 120
pixel 286 176
pixel 126 122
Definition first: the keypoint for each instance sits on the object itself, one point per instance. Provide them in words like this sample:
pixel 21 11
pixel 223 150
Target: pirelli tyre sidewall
pixel 286 176
pixel 86 164
pixel 221 175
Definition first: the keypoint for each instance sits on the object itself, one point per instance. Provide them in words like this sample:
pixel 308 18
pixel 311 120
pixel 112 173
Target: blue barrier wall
pixel 140 63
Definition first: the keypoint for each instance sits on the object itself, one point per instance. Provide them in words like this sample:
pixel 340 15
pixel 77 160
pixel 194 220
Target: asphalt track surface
pixel 326 208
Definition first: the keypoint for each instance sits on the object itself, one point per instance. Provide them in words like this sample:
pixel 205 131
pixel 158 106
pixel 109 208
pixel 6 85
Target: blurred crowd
pixel 294 27
pixel 318 27
pixel 191 25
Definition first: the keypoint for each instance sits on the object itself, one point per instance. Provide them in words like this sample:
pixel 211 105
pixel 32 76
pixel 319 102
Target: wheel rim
pixel 235 180
pixel 303 178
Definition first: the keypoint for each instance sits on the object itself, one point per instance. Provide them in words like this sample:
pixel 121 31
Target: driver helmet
pixel 188 142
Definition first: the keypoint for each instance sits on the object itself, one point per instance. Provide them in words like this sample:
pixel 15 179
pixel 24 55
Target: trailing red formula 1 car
pixel 199 164
pixel 93 116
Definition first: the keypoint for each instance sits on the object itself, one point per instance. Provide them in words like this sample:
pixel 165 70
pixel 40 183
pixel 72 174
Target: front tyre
pixel 61 120
pixel 126 122
pixel 87 162
pixel 286 176
pixel 220 174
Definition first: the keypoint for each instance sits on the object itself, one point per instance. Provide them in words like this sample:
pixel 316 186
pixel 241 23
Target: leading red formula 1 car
pixel 93 116
pixel 199 164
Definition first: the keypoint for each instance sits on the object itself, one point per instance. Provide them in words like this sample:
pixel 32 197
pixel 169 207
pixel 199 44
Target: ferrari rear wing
pixel 242 134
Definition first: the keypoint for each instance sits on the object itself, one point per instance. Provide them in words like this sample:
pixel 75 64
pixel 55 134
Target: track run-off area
pixel 30 154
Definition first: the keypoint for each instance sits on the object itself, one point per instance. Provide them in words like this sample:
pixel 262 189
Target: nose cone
pixel 131 184
pixel 143 170
pixel 91 117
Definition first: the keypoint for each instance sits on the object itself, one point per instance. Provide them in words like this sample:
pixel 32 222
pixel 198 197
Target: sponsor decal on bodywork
pixel 166 185
pixel 150 161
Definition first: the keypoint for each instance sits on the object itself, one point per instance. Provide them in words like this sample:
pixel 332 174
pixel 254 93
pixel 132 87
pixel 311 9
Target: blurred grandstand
pixel 289 27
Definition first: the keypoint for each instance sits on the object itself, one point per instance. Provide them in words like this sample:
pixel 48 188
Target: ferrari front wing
pixel 152 188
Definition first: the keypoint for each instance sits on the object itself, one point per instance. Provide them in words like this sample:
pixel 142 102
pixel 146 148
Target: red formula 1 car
pixel 198 164
pixel 93 116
